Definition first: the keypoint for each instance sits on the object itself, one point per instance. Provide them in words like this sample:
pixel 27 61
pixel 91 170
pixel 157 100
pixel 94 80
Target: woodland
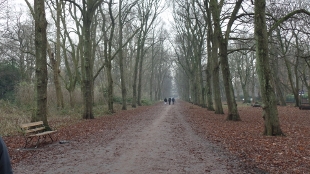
pixel 87 57
pixel 70 61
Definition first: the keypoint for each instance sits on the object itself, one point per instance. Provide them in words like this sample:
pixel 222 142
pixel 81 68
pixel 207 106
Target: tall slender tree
pixel 270 111
pixel 223 45
pixel 54 56
pixel 41 62
pixel 87 9
pixel 149 11
pixel 121 56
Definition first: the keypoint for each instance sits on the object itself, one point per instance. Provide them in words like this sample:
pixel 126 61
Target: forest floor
pixel 180 138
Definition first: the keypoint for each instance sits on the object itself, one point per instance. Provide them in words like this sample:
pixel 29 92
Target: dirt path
pixel 158 140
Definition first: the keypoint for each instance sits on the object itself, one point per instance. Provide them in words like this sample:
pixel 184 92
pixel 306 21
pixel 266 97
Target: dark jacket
pixel 5 163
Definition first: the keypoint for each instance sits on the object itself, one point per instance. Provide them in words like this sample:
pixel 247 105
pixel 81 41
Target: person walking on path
pixel 169 100
pixel 5 163
pixel 173 101
pixel 165 100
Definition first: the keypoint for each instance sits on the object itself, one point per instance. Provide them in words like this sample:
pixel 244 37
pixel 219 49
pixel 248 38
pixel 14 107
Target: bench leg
pixel 51 137
pixel 26 139
pixel 43 138
pixel 39 137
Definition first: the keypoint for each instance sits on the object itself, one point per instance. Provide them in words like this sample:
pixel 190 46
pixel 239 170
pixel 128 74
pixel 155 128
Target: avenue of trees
pixel 215 51
pixel 255 50
pixel 103 51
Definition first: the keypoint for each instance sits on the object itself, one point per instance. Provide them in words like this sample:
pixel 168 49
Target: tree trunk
pixel 152 72
pixel 296 69
pixel 87 77
pixel 140 71
pixel 215 66
pixel 223 42
pixel 109 61
pixel 56 71
pixel 209 86
pixel 230 96
pixel 134 85
pixel 209 62
pixel 72 72
pixel 270 112
pixel 275 72
pixel 135 74
pixel 243 72
pixel 60 100
pixel 291 81
pixel 110 86
pixel 121 58
pixel 54 56
pixel 216 82
pixel 202 101
pixel 41 62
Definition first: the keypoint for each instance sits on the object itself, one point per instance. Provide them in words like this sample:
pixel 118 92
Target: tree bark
pixel 230 96
pixel 223 43
pixel 108 61
pixel 152 68
pixel 73 72
pixel 135 75
pixel 121 57
pixel 60 101
pixel 209 61
pixel 41 62
pixel 275 72
pixel 87 77
pixel 216 68
pixel 140 69
pixel 270 111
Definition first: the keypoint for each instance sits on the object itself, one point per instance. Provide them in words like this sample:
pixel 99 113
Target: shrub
pixel 9 77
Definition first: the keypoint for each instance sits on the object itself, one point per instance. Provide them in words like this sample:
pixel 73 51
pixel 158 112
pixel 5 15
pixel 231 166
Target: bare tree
pixel 55 58
pixel 223 44
pixel 87 9
pixel 189 49
pixel 270 113
pixel 148 11
pixel 214 62
pixel 71 54
pixel 41 62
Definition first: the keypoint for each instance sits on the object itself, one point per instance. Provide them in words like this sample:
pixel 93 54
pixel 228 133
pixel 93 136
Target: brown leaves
pixel 290 154
pixel 71 130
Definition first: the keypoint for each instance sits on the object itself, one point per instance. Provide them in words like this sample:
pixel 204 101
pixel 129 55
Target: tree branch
pixel 288 16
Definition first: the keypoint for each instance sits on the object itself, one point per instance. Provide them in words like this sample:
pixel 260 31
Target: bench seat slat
pixel 31 124
pixel 34 130
pixel 45 133
pixel 41 133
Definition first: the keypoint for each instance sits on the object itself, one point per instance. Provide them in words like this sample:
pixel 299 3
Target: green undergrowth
pixel 12 116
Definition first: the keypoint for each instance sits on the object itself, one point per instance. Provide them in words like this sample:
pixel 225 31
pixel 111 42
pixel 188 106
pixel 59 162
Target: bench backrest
pixel 33 127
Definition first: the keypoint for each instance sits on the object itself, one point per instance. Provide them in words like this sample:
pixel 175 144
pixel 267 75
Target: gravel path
pixel 157 140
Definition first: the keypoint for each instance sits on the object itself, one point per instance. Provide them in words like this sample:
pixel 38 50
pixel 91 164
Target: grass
pixel 12 116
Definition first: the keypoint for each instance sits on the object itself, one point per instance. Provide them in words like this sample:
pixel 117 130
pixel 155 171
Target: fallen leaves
pixel 289 154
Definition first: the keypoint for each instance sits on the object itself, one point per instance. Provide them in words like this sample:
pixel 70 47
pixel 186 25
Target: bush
pixel 118 100
pixel 290 98
pixel 146 102
pixel 9 77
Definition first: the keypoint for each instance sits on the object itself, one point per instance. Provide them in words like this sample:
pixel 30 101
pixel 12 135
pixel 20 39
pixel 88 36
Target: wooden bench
pixel 304 107
pixel 36 129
